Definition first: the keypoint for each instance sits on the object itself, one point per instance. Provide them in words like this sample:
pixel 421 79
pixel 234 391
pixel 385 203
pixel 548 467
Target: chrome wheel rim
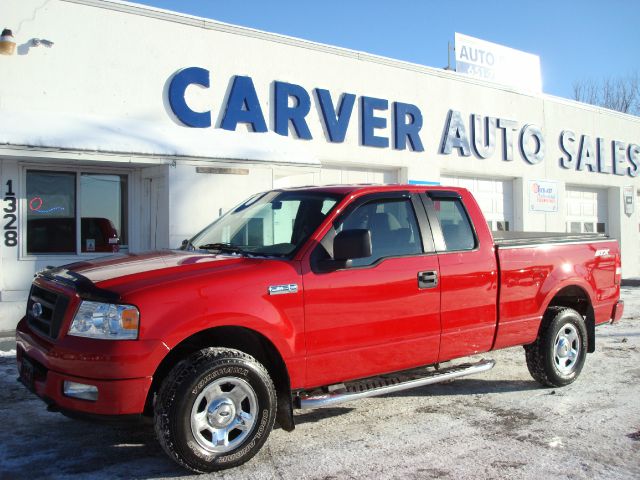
pixel 224 414
pixel 566 349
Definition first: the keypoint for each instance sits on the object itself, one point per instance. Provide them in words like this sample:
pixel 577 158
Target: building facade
pixel 137 127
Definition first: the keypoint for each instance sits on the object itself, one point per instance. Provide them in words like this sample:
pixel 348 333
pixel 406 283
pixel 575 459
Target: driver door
pixel 380 314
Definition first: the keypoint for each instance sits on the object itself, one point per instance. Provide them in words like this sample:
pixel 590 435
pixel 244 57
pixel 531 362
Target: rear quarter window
pixel 456 227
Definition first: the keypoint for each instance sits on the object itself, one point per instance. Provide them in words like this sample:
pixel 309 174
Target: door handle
pixel 428 279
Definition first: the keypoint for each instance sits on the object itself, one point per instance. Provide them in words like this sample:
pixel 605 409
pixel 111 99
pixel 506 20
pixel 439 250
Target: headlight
pixel 106 321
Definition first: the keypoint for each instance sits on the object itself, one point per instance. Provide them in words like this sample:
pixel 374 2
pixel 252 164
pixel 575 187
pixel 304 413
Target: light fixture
pixel 7 43
pixel 36 42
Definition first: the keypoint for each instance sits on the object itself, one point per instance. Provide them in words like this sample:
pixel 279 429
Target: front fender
pixel 175 311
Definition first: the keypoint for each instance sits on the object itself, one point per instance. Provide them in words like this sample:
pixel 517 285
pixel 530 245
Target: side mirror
pixel 352 244
pixel 347 245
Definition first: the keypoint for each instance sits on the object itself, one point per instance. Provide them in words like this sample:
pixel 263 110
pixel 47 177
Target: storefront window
pixel 51 210
pixel 102 202
pixel 53 200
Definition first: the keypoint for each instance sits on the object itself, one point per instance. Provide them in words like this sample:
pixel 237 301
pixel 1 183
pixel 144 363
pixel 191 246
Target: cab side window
pixel 456 226
pixel 393 226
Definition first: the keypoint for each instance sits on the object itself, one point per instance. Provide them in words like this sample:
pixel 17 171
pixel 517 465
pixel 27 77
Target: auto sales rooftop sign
pixel 496 63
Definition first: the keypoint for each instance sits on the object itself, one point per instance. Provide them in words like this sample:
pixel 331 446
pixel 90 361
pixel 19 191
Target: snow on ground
pixel 497 425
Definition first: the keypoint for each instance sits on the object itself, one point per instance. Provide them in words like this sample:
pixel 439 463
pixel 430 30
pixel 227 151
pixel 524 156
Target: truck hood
pixel 117 272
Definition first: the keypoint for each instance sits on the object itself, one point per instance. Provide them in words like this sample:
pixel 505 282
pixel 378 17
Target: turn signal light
pixel 130 319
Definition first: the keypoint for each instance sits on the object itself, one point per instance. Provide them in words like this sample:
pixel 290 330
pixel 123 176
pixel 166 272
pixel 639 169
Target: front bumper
pixel 122 371
pixel 115 397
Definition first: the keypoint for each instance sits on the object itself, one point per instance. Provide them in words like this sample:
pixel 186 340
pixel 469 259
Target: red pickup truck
pixel 307 297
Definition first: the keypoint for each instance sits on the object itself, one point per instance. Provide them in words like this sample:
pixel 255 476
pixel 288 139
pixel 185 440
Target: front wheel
pixel 556 358
pixel 215 410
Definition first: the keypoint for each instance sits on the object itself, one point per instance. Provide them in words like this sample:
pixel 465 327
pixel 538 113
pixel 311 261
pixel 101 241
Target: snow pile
pixel 136 136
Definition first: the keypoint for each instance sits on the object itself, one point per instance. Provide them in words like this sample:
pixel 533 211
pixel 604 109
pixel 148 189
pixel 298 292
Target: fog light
pixel 80 390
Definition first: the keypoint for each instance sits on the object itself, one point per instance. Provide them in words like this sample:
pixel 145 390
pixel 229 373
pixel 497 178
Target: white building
pixel 146 118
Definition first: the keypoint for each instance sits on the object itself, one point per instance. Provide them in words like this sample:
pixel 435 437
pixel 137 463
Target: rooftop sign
pixel 496 63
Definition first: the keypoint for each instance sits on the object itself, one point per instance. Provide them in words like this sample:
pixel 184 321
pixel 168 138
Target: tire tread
pixel 166 399
pixel 535 352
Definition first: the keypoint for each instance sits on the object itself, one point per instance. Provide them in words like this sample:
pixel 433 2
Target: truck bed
pixel 524 239
pixel 533 266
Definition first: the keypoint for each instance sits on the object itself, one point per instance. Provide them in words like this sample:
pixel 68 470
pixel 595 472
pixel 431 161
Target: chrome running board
pixel 383 385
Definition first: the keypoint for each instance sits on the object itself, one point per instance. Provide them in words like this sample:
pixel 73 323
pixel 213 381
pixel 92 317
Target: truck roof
pixel 370 188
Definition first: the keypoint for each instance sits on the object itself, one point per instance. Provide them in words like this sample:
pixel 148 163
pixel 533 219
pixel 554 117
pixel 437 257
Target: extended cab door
pixel 381 314
pixel 468 273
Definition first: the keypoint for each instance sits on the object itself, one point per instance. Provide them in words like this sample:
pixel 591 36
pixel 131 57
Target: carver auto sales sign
pixel 390 124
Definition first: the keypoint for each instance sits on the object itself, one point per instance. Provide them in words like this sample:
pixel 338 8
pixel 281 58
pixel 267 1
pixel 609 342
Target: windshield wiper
pixel 223 247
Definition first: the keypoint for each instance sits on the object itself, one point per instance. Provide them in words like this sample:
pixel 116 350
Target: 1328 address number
pixel 11 219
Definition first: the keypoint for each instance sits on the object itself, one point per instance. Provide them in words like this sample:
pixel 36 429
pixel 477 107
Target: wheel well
pixel 238 338
pixel 575 297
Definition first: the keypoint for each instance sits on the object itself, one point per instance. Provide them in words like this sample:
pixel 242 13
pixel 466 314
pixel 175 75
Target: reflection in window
pixel 393 227
pixel 102 202
pixel 456 227
pixel 273 223
pixel 503 226
pixel 284 220
pixel 52 220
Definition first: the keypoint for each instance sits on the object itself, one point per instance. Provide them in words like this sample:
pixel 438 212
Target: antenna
pixel 449 50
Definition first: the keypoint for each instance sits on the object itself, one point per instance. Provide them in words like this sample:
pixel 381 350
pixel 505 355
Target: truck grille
pixel 50 313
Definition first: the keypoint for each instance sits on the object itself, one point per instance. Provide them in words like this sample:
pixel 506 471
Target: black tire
pixel 556 358
pixel 233 416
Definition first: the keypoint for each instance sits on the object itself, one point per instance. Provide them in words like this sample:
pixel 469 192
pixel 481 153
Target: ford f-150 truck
pixel 307 297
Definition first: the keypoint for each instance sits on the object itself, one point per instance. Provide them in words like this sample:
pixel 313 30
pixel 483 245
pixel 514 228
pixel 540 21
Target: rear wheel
pixel 215 410
pixel 556 358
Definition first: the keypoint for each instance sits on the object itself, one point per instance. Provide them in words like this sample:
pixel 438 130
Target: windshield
pixel 272 223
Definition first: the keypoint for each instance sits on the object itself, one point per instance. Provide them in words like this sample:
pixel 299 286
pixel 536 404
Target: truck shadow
pixel 75 448
pixel 85 449
pixel 624 335
pixel 452 388
pixel 312 416
pixel 469 386
pixel 40 444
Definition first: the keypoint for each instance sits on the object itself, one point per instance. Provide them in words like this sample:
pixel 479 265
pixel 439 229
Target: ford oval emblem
pixel 36 309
